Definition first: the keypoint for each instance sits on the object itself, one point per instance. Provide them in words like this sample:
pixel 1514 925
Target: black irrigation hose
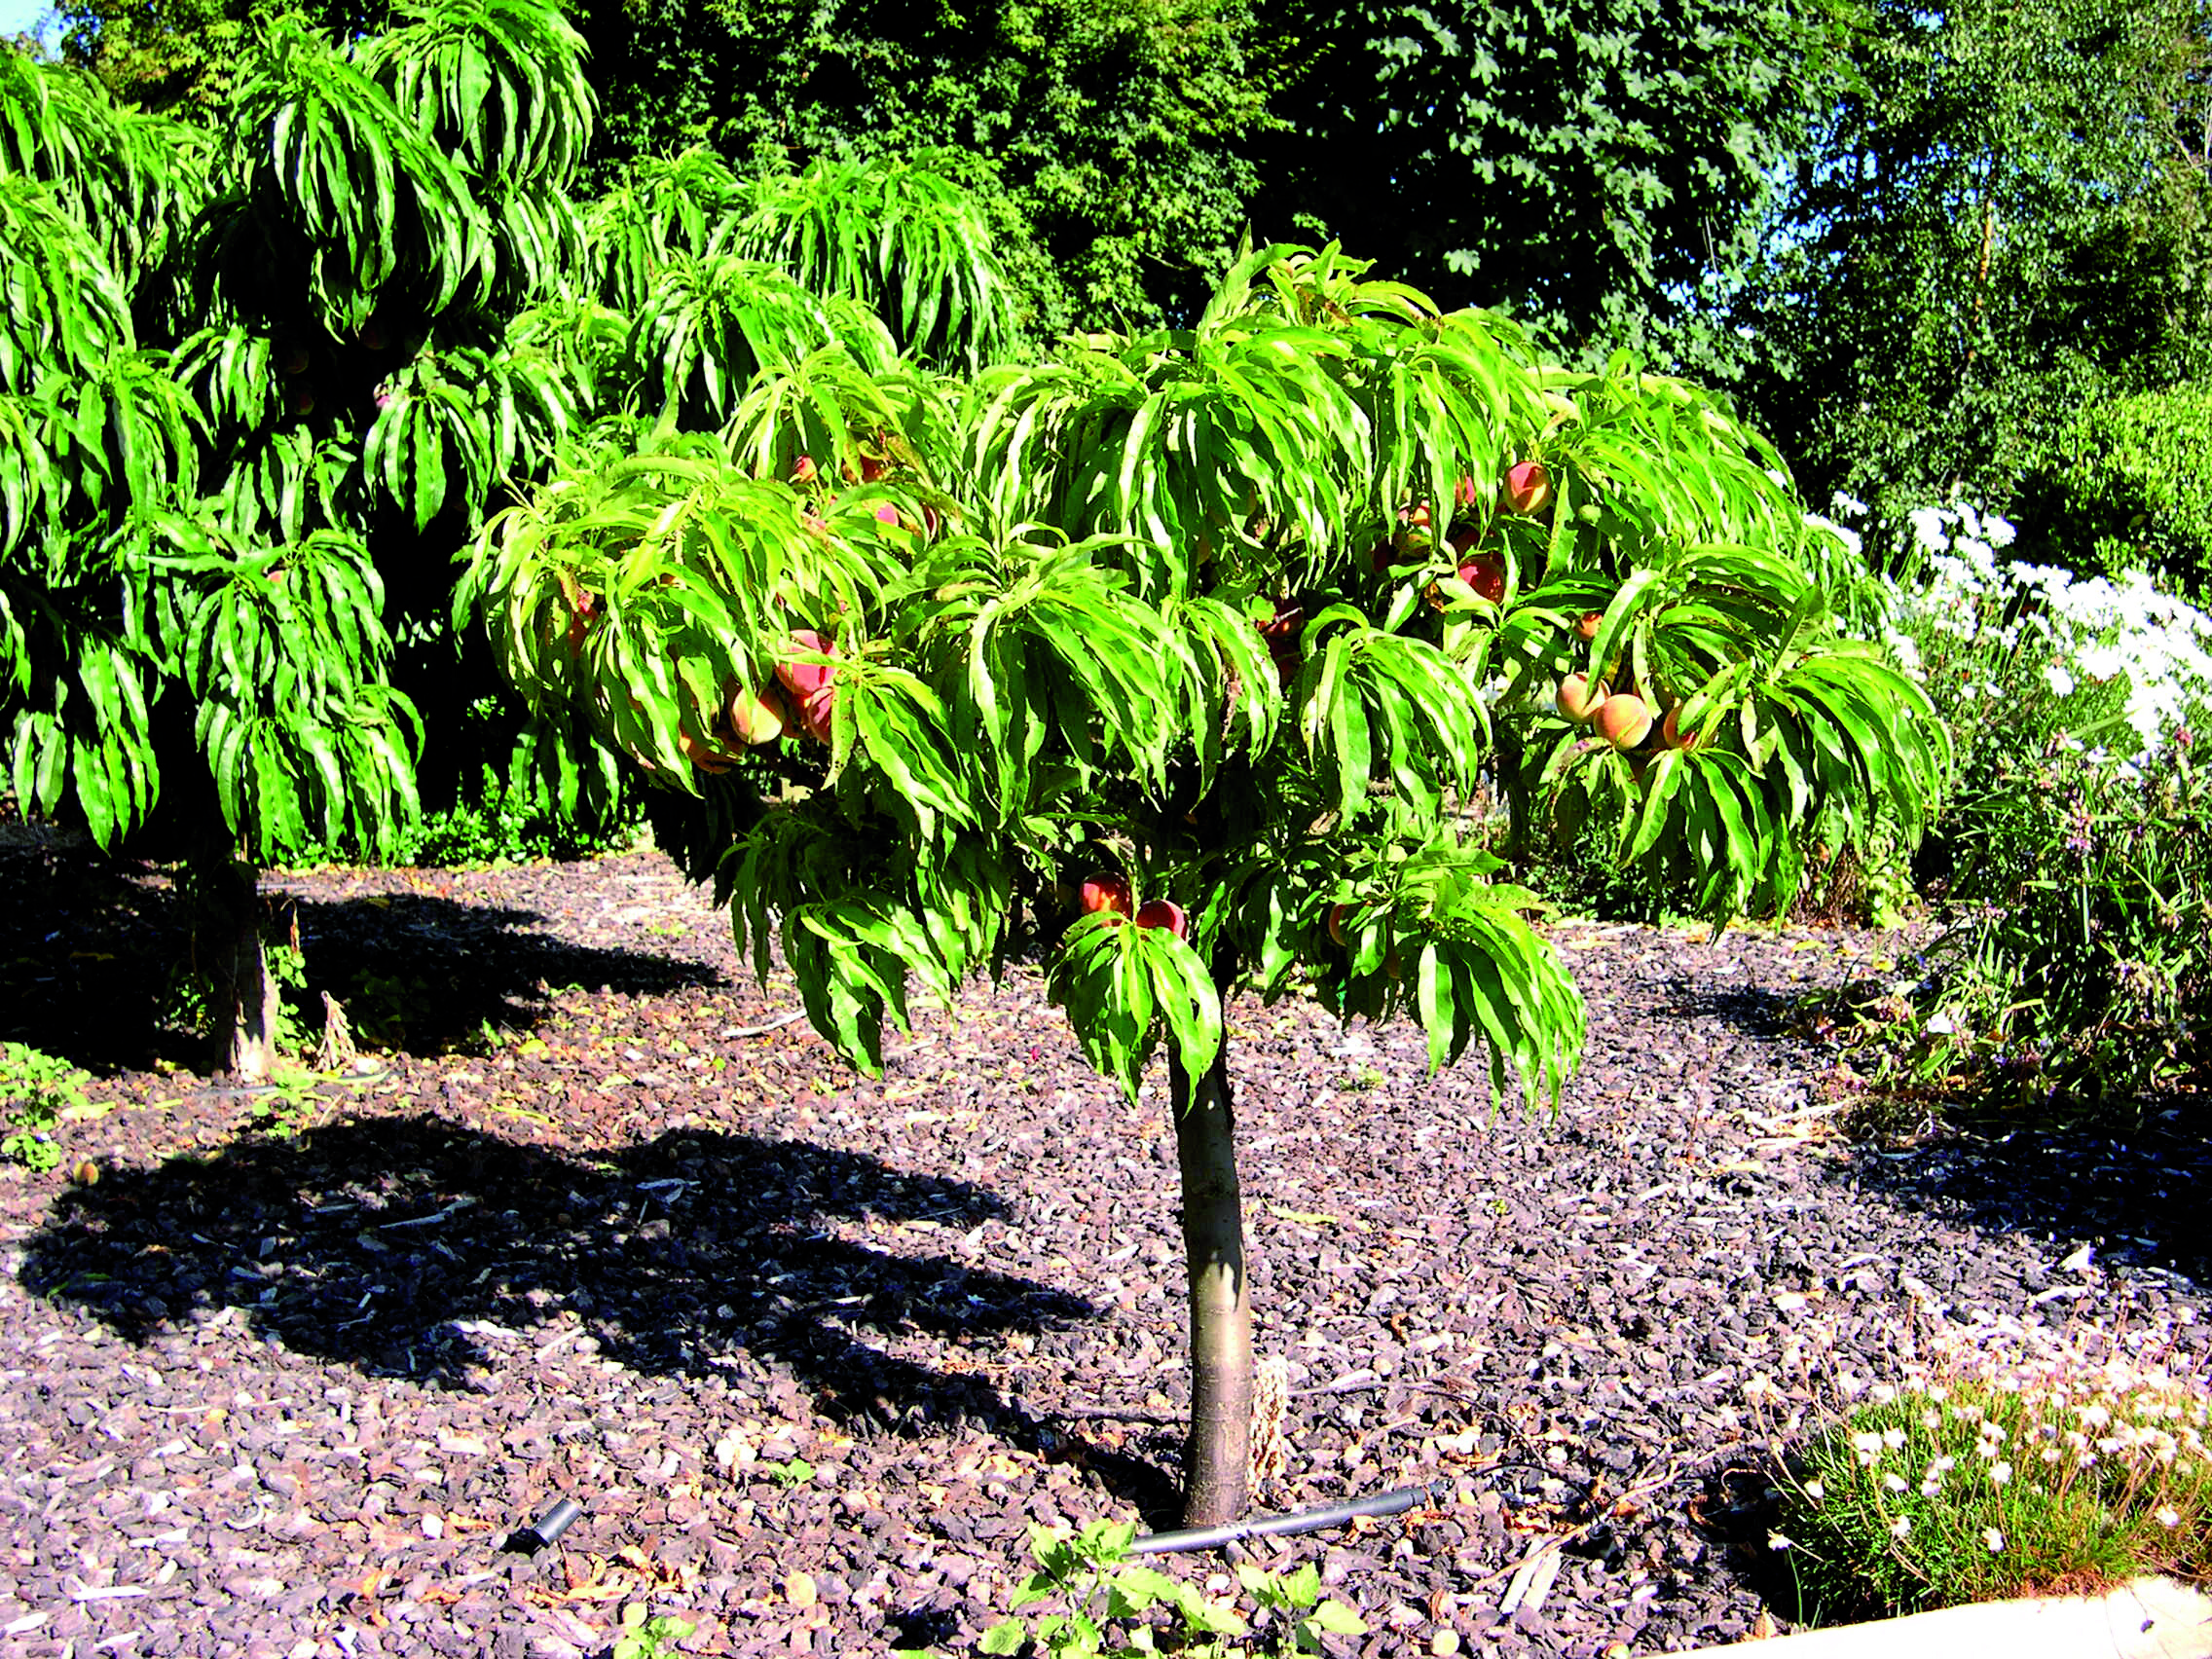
pixel 1395 1501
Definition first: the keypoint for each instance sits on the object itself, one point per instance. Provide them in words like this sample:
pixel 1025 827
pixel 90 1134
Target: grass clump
pixel 2005 1478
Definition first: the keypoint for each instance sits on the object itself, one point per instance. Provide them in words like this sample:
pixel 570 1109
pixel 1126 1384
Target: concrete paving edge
pixel 2148 1618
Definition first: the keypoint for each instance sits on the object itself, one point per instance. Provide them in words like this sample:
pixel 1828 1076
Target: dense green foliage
pixel 1114 129
pixel 2004 221
pixel 257 384
pixel 1059 655
pixel 1590 163
pixel 2131 488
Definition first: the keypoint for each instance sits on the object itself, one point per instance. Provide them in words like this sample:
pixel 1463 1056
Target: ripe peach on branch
pixel 757 717
pixel 1106 891
pixel 1527 489
pixel 812 685
pixel 1624 719
pixel 1163 913
pixel 1578 699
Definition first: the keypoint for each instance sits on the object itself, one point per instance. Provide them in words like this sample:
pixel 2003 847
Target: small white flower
pixel 1892 1438
pixel 2060 681
pixel 1868 1444
pixel 1882 1393
pixel 2000 1473
pixel 1894 1481
pixel 1931 1421
pixel 1901 1527
pixel 2167 1516
pixel 1929 1487
pixel 1995 1539
pixel 1815 1491
pixel 1776 1541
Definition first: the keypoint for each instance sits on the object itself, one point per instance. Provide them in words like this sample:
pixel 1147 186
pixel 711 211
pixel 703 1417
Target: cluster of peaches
pixel 1526 491
pixel 1110 893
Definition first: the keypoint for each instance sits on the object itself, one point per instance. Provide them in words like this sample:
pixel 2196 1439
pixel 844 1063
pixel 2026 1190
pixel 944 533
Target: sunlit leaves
pixel 374 198
pixel 1056 657
pixel 451 423
pixel 283 651
pixel 1811 745
pixel 124 431
pixel 1123 986
pixel 129 178
pixel 82 735
pixel 1377 707
pixel 904 238
pixel 709 325
pixel 498 84
pixel 61 306
pixel 684 207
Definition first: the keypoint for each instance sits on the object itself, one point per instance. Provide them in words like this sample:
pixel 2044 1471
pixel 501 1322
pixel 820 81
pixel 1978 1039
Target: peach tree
pixel 258 383
pixel 1190 652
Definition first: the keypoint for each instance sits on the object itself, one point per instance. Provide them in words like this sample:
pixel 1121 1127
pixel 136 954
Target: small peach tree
pixel 1225 623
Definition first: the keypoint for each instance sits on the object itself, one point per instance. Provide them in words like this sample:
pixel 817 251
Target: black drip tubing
pixel 1393 1502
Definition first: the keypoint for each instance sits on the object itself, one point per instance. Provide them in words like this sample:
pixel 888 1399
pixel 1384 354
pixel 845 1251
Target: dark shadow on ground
pixel 2141 1199
pixel 91 952
pixel 411 1248
pixel 425 974
pixel 1756 1010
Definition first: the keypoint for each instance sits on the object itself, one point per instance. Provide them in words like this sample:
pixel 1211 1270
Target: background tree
pixel 1590 165
pixel 1112 129
pixel 2003 223
pixel 1220 624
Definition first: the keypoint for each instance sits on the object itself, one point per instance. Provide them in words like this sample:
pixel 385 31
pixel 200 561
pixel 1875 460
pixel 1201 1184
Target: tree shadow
pixel 94 951
pixel 412 1247
pixel 2139 1201
pixel 1756 1010
pixel 426 974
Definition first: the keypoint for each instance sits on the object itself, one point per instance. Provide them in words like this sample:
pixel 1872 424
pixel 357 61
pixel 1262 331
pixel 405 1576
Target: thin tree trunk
pixel 1215 1457
pixel 246 998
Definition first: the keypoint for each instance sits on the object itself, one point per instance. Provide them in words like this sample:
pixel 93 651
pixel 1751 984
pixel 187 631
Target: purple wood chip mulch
pixel 814 1351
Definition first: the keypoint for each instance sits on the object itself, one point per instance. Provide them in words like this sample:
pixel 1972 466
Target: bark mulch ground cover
pixel 813 1351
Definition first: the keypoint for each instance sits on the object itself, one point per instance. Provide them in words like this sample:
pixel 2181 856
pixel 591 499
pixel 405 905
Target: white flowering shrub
pixel 1991 638
pixel 1997 1480
pixel 2078 828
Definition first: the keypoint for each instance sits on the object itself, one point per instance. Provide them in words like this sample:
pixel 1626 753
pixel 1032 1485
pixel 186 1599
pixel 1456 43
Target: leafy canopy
pixel 1182 606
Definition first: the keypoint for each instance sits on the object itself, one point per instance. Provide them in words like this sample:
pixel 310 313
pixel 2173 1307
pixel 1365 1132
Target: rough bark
pixel 1215 1457
pixel 246 998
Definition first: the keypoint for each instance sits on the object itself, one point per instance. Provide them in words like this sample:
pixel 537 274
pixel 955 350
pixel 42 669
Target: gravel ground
pixel 287 1379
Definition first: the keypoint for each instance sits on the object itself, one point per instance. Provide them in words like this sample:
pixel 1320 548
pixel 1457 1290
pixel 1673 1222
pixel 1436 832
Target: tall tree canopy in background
pixel 1584 162
pixel 2004 221
pixel 1116 127
pixel 1111 134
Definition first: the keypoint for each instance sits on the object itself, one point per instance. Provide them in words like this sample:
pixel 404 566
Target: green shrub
pixel 2014 1479
pixel 34 1090
pixel 507 821
pixel 2135 490
pixel 2076 830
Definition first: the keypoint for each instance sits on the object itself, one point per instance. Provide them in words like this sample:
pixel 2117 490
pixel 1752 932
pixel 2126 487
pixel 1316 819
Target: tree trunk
pixel 1215 1456
pixel 246 1000
pixel 1513 784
